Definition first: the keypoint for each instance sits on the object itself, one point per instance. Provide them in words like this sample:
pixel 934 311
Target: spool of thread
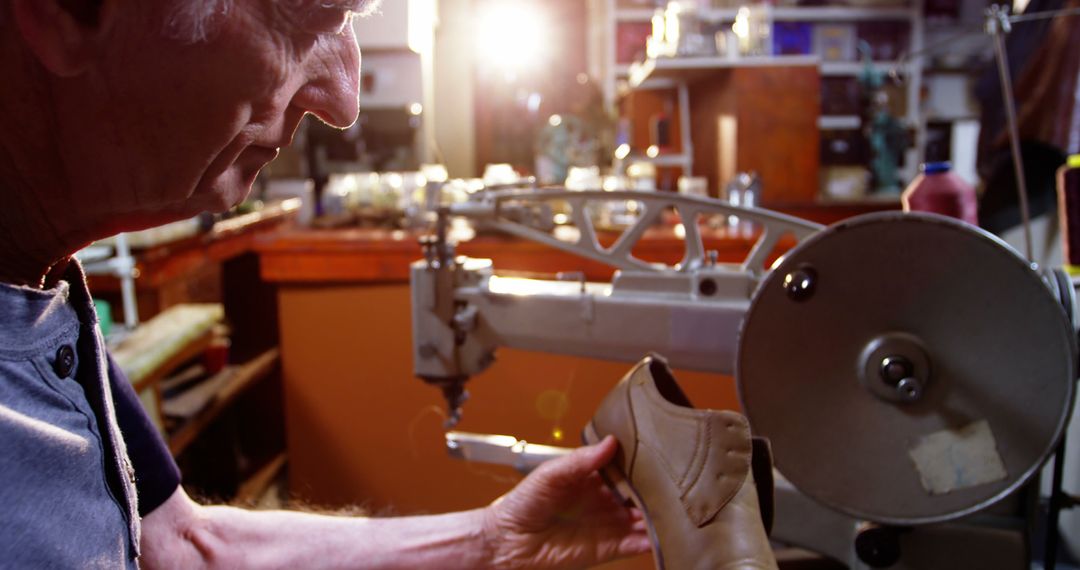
pixel 105 320
pixel 1068 181
pixel 939 191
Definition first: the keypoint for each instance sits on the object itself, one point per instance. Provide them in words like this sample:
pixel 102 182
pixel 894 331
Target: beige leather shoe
pixel 688 470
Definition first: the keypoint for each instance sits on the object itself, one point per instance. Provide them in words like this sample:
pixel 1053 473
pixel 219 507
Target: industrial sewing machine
pixel 912 373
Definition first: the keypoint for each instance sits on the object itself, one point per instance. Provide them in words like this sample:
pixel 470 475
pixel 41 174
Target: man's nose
pixel 332 90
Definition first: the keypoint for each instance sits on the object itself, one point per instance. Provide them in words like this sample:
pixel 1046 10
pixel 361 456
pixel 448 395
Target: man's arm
pixel 560 516
pixel 183 534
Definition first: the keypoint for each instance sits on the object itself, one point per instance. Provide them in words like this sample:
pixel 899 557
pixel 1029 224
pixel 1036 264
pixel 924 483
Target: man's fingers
pixel 636 543
pixel 580 462
pixel 591 458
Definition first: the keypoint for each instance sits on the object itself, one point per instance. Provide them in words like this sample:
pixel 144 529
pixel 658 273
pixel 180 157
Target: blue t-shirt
pixel 79 460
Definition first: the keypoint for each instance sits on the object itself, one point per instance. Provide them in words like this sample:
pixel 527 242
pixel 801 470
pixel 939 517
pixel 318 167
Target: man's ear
pixel 63 39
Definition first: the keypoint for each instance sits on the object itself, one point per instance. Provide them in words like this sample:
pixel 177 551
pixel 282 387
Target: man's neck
pixel 34 249
pixel 49 207
pixel 28 243
pixel 32 183
pixel 23 262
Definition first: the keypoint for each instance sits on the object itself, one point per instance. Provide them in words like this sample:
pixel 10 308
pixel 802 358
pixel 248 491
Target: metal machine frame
pixel 463 312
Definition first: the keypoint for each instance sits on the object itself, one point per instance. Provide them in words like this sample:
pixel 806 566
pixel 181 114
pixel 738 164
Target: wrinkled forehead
pixel 196 20
pixel 359 6
pixel 86 7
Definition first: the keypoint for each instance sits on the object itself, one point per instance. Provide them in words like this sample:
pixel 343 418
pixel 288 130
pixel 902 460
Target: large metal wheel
pixel 907 368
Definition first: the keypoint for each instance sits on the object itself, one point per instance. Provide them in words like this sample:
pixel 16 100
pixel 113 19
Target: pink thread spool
pixel 939 191
pixel 1068 179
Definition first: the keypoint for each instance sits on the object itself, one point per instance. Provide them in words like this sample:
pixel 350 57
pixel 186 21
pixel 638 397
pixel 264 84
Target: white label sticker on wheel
pixel 955 459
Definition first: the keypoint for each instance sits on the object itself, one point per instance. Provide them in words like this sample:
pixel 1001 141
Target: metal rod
pixel 1045 15
pixel 686 141
pixel 936 46
pixel 996 25
pixel 127 281
pixel 1054 510
pixel 970 31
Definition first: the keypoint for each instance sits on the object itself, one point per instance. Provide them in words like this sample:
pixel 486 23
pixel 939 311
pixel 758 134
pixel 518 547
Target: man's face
pixel 186 127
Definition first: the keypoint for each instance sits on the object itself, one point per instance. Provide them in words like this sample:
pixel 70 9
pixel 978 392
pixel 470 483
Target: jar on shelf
pixel 939 191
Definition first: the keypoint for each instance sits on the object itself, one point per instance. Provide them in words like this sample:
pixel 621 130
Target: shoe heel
pixel 625 494
pixel 611 475
pixel 589 435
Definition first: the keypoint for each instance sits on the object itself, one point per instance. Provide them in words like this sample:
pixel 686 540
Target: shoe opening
pixel 666 385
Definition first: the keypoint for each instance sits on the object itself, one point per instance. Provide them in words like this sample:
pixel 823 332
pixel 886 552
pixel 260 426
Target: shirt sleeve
pixel 156 473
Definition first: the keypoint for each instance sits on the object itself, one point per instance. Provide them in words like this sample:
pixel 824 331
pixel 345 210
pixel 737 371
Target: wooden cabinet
pixel 761 119
pixel 769 120
pixel 731 116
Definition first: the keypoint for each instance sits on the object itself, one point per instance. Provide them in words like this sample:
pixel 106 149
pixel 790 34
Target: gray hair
pixel 194 20
pixel 188 20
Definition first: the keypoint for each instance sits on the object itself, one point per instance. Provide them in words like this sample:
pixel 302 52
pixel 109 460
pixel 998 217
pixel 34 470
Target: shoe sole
pixel 618 484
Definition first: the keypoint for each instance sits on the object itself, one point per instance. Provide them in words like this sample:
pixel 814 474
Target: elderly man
pixel 118 115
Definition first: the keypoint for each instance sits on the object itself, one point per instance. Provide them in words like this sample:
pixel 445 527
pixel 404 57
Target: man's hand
pixel 562 516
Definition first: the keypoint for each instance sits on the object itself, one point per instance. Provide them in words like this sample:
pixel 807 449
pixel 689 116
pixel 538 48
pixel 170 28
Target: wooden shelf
pixel 870 201
pixel 783 14
pixel 669 160
pixel 244 376
pixel 189 350
pixel 156 347
pixel 839 122
pixel 164 264
pixel 828 212
pixel 256 485
pixel 690 69
pixel 835 68
pixel 693 68
pixel 841 14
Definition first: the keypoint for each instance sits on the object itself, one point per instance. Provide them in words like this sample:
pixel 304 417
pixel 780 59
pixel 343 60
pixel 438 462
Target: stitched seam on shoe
pixel 728 490
pixel 632 460
pixel 678 471
pixel 674 475
pixel 671 473
pixel 680 413
pixel 693 416
pixel 733 489
pixel 698 459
